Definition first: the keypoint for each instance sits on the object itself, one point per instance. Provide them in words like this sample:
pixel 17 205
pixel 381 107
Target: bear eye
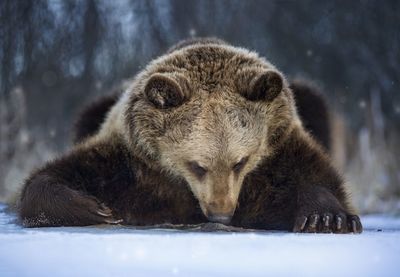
pixel 198 170
pixel 239 166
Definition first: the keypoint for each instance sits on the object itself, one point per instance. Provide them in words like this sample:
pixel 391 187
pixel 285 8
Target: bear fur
pixel 92 116
pixel 207 132
pixel 306 94
pixel 316 120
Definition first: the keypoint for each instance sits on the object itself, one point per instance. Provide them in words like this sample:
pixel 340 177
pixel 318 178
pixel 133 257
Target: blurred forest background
pixel 58 55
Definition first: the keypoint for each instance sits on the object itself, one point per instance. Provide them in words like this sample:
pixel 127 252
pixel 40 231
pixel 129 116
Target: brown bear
pixel 207 132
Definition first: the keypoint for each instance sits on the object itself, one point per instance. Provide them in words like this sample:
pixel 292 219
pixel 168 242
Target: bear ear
pixel 265 86
pixel 163 91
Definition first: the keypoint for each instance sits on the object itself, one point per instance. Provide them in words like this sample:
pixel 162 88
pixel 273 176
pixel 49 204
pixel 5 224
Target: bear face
pixel 233 140
pixel 232 103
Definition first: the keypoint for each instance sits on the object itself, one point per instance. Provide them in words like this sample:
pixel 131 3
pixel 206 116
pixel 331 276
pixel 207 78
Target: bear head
pixel 209 114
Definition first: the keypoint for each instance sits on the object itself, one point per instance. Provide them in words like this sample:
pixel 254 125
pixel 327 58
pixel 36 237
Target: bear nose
pixel 220 218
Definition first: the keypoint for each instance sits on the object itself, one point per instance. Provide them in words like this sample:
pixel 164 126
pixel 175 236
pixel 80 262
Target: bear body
pixel 207 132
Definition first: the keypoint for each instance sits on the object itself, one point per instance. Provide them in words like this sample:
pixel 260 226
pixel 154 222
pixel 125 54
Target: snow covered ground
pixel 121 251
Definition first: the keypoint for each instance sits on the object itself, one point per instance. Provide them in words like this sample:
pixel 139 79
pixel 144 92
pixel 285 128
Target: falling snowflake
pixel 192 32
pixel 52 133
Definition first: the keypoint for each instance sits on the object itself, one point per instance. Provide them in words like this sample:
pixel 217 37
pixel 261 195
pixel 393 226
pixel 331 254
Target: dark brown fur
pixel 295 188
pixel 92 116
pixel 83 187
pixel 313 111
pixel 287 178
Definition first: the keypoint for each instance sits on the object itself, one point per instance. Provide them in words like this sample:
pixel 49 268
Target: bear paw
pixel 327 223
pixel 71 208
pixel 88 210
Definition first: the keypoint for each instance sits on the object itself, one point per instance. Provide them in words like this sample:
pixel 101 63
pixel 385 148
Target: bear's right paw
pixel 327 223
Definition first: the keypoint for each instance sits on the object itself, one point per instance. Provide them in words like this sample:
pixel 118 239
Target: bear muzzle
pixel 220 212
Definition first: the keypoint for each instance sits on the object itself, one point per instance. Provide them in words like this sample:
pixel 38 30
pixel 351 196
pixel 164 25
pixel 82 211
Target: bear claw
pixel 106 212
pixel 300 223
pixel 313 225
pixel 339 222
pixel 103 213
pixel 113 221
pixel 327 221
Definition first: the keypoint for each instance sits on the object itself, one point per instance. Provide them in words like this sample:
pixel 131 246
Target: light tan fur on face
pixel 227 130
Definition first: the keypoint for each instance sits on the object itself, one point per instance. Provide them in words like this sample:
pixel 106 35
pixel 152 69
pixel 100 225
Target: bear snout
pixel 220 218
pixel 220 211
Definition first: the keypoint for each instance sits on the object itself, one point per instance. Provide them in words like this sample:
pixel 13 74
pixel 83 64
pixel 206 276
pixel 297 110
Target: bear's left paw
pixel 327 223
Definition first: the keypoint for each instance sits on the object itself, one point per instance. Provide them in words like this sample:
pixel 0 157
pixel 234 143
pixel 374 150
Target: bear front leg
pixel 318 197
pixel 319 211
pixel 77 189
pixel 47 201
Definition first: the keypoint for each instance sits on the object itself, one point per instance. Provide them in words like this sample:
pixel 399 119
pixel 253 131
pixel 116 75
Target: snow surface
pixel 122 251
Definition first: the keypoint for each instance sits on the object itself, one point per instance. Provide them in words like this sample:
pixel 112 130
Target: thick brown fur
pixel 205 132
pixel 92 116
pixel 310 102
pixel 313 111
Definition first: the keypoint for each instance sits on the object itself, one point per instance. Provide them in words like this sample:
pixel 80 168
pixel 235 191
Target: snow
pixel 126 251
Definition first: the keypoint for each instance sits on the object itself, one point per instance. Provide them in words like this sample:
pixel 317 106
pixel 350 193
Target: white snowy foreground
pixel 121 251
